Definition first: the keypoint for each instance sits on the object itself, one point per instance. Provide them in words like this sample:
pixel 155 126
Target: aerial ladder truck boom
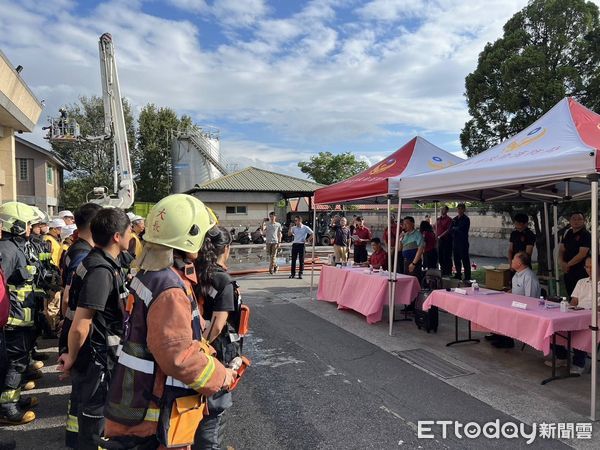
pixel 64 130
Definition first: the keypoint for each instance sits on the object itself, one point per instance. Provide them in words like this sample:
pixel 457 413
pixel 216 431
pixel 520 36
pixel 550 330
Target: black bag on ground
pixel 428 320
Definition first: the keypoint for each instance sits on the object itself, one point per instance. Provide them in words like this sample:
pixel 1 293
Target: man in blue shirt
pixel 302 234
pixel 460 242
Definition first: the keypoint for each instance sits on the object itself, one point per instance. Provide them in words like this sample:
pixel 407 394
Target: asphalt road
pixel 312 385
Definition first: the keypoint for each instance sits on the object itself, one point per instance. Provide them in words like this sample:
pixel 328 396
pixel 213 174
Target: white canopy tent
pixel 556 158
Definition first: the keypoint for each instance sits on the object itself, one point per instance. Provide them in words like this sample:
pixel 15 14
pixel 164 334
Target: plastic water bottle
pixel 370 269
pixel 564 305
pixel 542 301
pixel 475 286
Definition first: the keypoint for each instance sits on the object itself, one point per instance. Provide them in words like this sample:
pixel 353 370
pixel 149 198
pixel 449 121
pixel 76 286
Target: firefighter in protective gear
pixel 16 220
pixel 162 347
pixel 53 239
pixel 138 226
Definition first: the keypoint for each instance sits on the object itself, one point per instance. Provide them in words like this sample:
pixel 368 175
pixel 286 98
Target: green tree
pixel 90 162
pixel 550 49
pixel 154 128
pixel 327 168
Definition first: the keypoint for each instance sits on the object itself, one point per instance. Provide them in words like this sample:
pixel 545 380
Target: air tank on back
pixel 196 157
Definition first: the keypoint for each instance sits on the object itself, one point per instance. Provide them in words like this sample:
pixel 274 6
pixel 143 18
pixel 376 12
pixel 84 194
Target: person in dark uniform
pixel 460 242
pixel 98 292
pixel 573 250
pixel 221 308
pixel 522 239
pixel 16 219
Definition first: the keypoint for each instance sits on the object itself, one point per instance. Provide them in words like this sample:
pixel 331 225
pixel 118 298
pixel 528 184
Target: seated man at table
pixel 524 282
pixel 582 298
pixel 379 257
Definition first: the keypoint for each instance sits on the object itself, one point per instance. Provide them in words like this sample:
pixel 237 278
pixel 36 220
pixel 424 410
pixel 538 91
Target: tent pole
pixel 390 297
pixel 434 220
pixel 314 243
pixel 395 275
pixel 548 251
pixel 555 232
pixel 594 294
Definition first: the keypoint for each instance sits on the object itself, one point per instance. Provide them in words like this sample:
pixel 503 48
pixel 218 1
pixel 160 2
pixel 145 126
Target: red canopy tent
pixel 416 156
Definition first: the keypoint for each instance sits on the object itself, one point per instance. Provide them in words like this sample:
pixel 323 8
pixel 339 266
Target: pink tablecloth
pixel 363 292
pixel 534 326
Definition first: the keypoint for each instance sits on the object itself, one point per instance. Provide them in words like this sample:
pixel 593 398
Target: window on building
pixel 23 167
pixel 236 209
pixel 49 174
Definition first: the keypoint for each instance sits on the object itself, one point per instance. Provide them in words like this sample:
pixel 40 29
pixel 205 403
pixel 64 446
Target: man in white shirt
pixel 272 232
pixel 302 234
pixel 582 298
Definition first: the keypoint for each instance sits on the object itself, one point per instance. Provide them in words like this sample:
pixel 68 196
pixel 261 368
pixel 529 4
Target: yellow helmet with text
pixel 179 221
pixel 16 216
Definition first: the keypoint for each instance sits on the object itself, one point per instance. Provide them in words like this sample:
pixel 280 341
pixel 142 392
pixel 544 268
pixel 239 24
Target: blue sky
pixel 281 79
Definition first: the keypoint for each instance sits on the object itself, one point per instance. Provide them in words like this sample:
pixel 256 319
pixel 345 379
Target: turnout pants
pixel 18 345
pixel 461 258
pixel 297 252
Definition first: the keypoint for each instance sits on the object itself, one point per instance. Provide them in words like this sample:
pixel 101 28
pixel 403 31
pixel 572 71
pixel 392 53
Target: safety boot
pixel 36 365
pixel 11 414
pixel 28 386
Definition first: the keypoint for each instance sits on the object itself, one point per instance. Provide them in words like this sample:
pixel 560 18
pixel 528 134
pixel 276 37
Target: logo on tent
pixel 534 135
pixel 382 166
pixel 436 163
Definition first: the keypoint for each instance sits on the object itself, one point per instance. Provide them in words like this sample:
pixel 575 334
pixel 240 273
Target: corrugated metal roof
pixel 252 179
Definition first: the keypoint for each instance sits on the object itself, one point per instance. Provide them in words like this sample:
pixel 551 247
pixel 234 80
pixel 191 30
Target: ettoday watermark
pixel 433 429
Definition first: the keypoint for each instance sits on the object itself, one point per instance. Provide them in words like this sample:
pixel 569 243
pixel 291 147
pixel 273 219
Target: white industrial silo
pixel 196 157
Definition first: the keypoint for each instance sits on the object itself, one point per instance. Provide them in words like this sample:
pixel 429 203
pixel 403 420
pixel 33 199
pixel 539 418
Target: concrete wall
pixel 44 196
pixel 8 181
pixel 256 213
pixel 19 111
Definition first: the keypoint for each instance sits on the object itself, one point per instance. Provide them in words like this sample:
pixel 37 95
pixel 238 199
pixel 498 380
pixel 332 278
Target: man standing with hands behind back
pixel 460 242
pixel 444 238
pixel 272 231
pixel 573 250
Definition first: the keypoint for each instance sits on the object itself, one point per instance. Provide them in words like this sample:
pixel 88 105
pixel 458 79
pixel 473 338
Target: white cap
pixel 67 231
pixel 56 223
pixel 133 217
pixel 65 213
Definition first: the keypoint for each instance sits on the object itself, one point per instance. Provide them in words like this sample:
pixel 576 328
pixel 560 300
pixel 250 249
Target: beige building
pixel 246 197
pixel 19 112
pixel 39 176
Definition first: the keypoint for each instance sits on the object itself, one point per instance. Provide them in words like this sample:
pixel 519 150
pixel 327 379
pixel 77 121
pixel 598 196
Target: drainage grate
pixel 432 363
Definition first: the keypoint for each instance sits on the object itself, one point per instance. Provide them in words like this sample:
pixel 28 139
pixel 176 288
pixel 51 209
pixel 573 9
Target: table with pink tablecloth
pixel 364 292
pixel 535 325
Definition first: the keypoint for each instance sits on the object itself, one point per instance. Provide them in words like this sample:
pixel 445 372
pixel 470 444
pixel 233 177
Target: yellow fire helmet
pixel 15 217
pixel 179 221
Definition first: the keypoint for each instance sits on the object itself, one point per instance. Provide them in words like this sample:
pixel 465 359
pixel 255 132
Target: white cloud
pixel 391 10
pixel 310 78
